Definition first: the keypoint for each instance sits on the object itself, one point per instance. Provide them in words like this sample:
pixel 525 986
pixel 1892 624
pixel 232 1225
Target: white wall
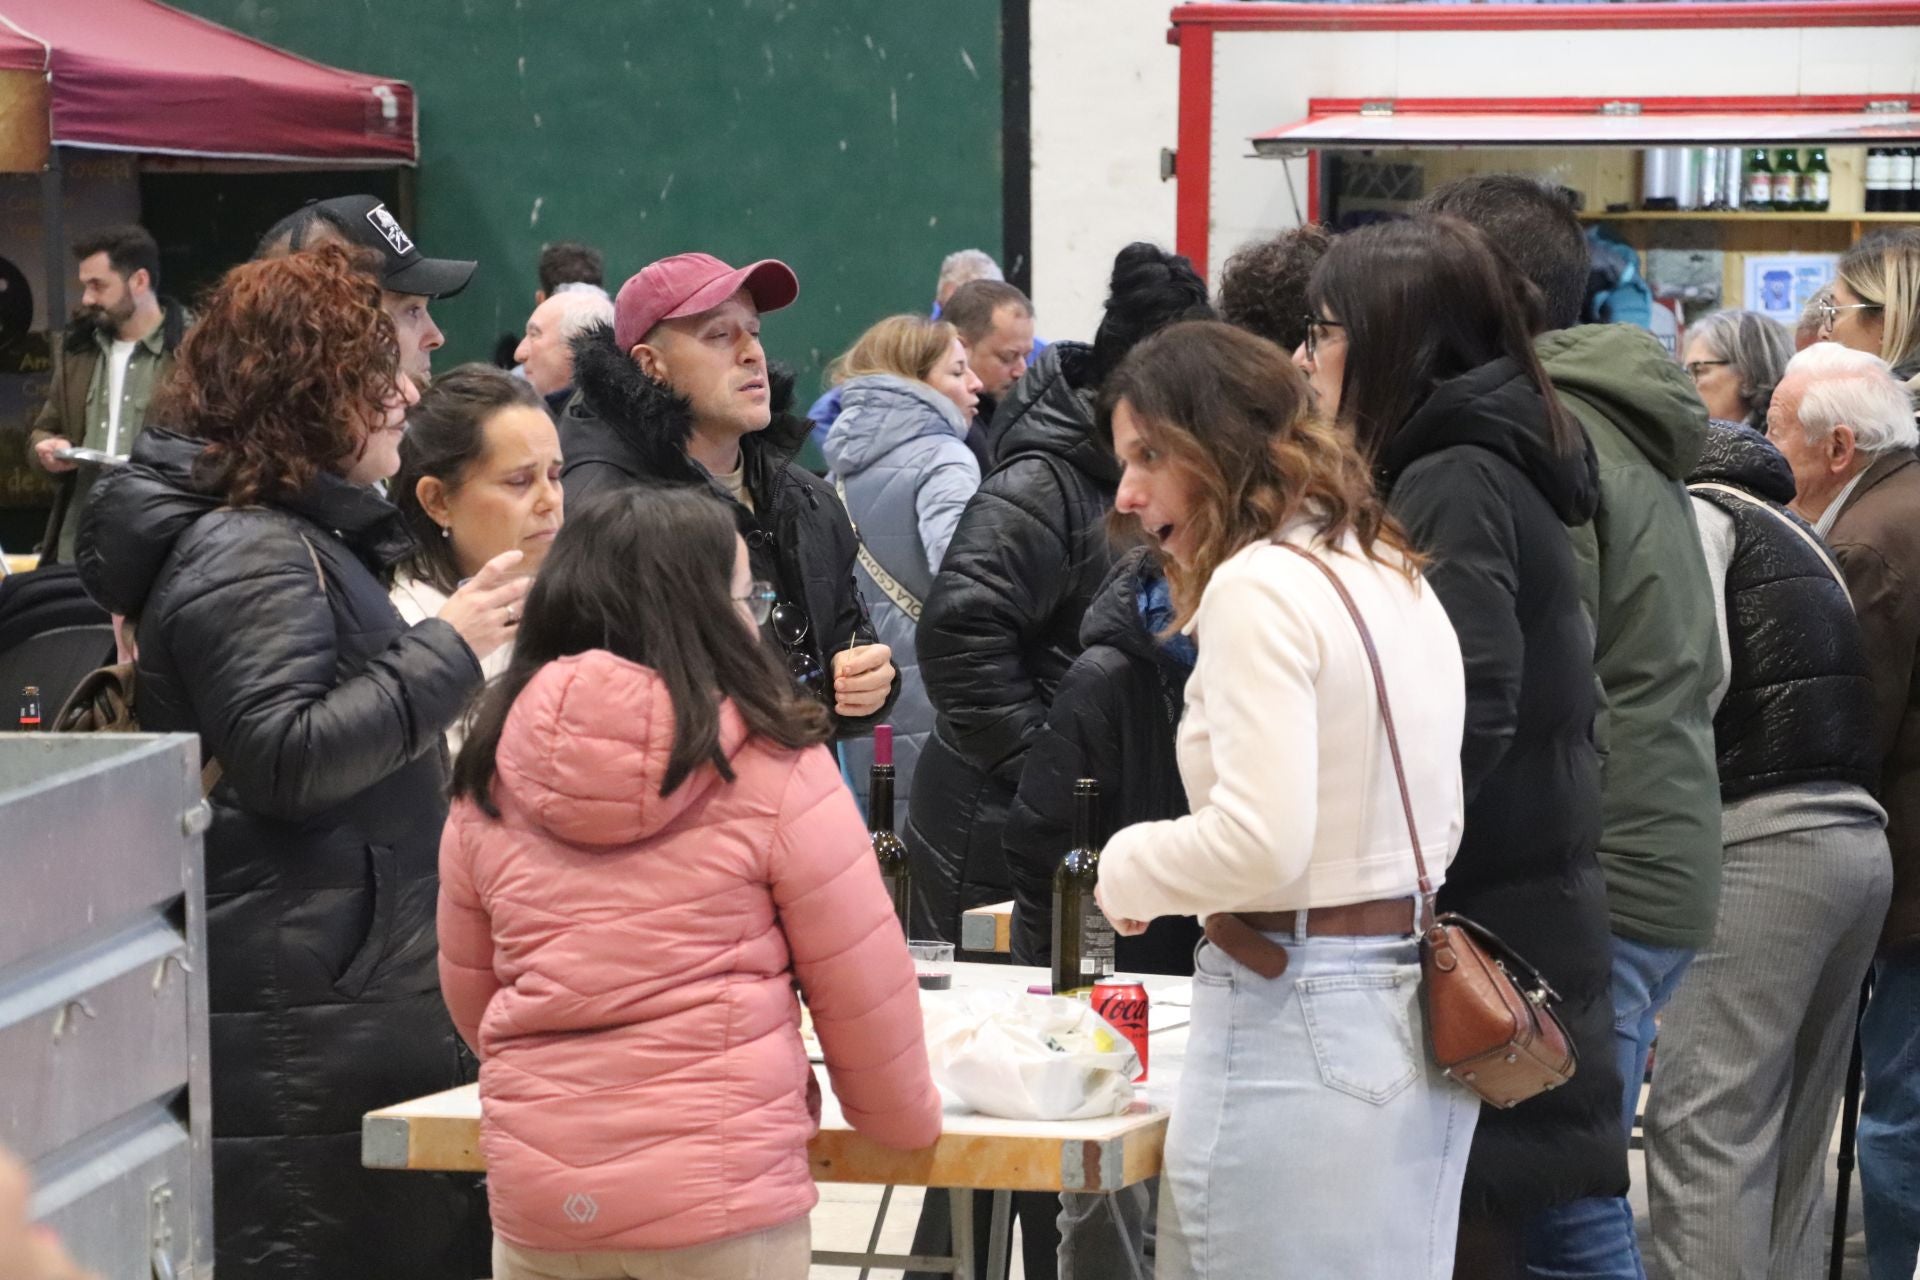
pixel 1105 97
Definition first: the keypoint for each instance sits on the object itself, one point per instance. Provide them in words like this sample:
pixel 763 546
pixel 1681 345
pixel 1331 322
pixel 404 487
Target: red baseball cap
pixel 690 283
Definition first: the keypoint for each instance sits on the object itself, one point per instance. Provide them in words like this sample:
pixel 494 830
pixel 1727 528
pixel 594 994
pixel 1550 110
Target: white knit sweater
pixel 1283 751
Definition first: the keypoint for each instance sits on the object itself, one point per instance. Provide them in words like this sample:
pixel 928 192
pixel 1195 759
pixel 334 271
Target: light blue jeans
pixel 1890 1117
pixel 1312 1134
pixel 1594 1239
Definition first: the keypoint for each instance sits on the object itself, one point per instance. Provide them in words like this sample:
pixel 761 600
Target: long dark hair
pixel 1423 301
pixel 446 434
pixel 1230 412
pixel 646 574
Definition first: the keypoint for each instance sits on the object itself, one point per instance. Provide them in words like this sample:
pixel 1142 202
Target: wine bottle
pixel 30 708
pixel 1879 179
pixel 1082 935
pixel 888 848
pixel 1900 181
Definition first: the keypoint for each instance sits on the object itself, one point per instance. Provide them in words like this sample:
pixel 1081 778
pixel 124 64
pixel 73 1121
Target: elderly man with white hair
pixel 546 353
pixel 1846 426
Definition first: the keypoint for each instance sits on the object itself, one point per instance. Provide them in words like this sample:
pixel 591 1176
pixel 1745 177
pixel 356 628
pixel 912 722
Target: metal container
pixel 103 996
pixel 1658 178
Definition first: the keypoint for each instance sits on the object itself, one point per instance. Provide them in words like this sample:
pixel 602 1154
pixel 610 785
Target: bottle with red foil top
pixel 30 708
pixel 888 848
pixel 1124 1005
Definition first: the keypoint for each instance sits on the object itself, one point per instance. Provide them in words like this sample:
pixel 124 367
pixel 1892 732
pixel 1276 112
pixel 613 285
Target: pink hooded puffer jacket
pixel 623 963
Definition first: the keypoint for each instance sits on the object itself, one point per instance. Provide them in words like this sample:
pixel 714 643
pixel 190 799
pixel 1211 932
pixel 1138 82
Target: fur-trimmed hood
pixel 622 418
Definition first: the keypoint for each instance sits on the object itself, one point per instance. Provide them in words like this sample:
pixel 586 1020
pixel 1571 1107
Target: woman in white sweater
pixel 479 477
pixel 1313 1135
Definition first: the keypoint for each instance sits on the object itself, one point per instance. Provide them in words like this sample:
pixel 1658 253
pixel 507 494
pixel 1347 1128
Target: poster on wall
pixel 1781 284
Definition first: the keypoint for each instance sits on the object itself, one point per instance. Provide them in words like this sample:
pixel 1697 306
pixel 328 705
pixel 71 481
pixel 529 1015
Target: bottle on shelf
pixel 1786 180
pixel 888 848
pixel 1732 187
pixel 1082 935
pixel 30 708
pixel 1879 179
pixel 1816 184
pixel 1901 196
pixel 1759 191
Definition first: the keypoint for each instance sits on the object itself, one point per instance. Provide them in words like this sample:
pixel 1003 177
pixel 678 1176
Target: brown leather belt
pixel 1242 935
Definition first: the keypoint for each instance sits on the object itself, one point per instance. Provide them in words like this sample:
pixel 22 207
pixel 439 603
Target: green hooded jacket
pixel 1656 646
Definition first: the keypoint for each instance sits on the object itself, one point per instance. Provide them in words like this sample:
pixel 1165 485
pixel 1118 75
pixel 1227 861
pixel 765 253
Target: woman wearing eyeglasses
pixel 1420 347
pixel 900 459
pixel 1876 301
pixel 648 847
pixel 1735 359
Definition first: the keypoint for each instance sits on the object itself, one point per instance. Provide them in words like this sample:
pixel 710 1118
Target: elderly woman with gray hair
pixel 1736 359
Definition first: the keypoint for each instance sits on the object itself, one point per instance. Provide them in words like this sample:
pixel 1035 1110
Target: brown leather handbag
pixel 1489 1013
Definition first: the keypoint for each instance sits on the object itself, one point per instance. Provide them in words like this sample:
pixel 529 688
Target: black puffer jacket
pixel 1001 627
pixel 1475 481
pixel 327 713
pixel 623 429
pixel 1799 701
pixel 1113 719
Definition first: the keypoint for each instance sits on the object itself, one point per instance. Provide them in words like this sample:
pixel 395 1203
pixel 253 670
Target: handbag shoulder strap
pixel 1818 547
pixel 1386 717
pixel 903 600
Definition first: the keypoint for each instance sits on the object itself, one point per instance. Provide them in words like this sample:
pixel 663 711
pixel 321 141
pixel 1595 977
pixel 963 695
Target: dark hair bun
pixel 1149 290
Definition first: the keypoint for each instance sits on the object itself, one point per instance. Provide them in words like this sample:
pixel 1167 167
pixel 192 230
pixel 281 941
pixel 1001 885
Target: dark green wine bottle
pixel 1082 935
pixel 888 848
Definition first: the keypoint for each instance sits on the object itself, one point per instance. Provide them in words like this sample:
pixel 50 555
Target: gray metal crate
pixel 103 995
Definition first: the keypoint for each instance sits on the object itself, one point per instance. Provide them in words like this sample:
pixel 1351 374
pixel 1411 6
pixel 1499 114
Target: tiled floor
pixel 844 1220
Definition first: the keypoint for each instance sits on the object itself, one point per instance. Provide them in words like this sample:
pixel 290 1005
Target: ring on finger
pixel 513 615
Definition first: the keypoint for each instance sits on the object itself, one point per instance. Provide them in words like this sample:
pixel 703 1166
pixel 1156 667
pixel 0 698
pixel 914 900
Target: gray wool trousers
pixel 1752 1057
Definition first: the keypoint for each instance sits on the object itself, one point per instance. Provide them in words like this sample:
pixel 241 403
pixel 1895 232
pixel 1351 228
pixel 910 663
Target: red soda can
pixel 1124 1006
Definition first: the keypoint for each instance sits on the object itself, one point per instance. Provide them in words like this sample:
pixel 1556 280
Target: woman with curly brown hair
pixel 251 545
pixel 1313 1132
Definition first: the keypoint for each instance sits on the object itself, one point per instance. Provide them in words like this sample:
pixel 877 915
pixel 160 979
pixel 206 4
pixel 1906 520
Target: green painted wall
pixel 856 139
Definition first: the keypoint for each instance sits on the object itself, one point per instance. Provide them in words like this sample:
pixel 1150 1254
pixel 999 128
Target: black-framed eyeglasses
pixel 1695 368
pixel 759 601
pixel 1317 327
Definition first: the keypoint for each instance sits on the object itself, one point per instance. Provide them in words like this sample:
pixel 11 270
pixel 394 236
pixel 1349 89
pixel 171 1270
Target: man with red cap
pixel 677 391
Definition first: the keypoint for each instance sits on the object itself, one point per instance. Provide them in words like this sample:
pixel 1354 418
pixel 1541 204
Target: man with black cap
pixel 677 391
pixel 409 280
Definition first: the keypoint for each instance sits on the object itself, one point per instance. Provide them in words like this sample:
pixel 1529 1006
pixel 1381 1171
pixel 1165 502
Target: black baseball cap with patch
pixel 365 221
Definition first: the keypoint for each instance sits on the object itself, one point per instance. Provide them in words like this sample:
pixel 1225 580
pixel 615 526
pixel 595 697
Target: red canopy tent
pixel 135 75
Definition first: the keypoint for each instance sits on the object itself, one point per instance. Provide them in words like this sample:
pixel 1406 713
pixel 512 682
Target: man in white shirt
pixel 116 353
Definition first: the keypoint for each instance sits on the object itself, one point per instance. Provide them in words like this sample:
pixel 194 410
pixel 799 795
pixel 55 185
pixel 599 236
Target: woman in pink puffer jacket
pixel 635 872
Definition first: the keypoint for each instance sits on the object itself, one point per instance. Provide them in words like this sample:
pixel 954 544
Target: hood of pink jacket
pixel 586 749
pixel 626 962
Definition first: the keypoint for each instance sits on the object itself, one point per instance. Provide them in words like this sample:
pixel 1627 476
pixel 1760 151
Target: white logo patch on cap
pixel 384 223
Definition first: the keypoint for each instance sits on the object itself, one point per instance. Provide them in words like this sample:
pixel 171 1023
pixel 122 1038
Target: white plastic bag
pixel 1028 1057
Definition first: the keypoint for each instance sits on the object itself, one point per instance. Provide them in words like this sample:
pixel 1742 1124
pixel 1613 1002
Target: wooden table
pixel 974 1152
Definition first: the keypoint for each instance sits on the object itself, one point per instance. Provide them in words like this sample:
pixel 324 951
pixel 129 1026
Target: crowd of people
pixel 542 703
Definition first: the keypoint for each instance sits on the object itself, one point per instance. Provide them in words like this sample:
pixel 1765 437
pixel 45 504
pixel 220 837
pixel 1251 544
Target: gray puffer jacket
pixel 898 452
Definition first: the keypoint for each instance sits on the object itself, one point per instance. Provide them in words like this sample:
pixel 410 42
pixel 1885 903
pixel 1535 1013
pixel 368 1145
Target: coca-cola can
pixel 1124 1006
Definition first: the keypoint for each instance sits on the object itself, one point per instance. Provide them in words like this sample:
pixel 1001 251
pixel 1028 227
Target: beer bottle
pixel 1786 180
pixel 888 848
pixel 1879 178
pixel 30 708
pixel 1759 193
pixel 1816 185
pixel 1082 935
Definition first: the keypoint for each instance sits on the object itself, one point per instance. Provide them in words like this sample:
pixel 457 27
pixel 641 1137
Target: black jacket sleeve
pixel 1454 506
pixel 1002 580
pixel 582 481
pixel 1081 739
pixel 257 656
